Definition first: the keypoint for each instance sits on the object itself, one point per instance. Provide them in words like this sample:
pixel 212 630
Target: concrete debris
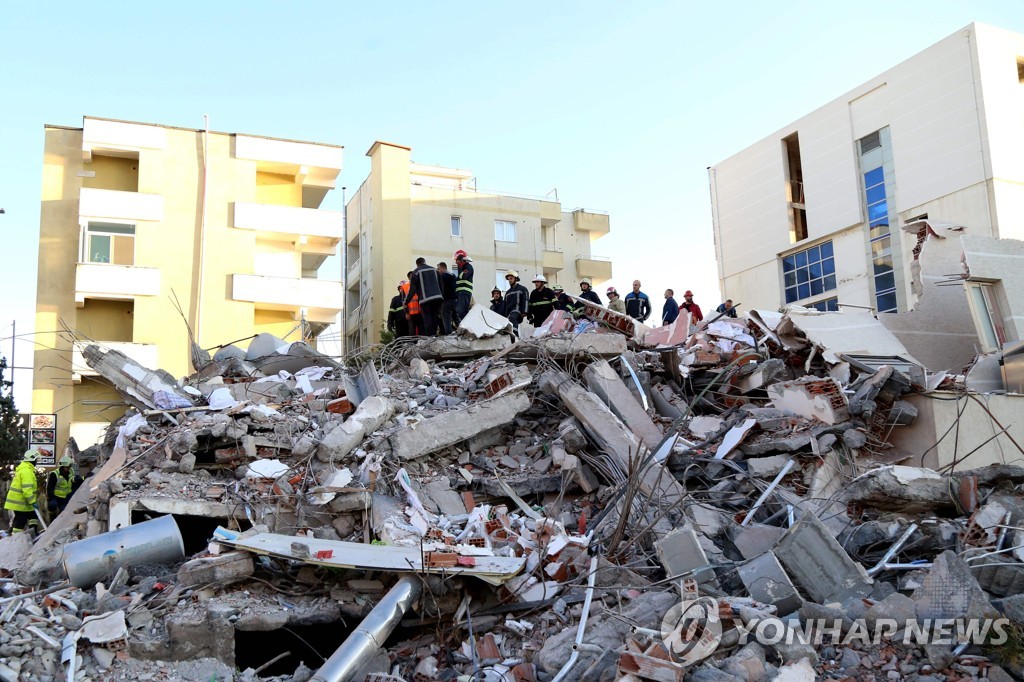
pixel 551 498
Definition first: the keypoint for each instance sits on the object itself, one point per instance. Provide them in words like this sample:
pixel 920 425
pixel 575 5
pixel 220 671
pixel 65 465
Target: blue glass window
pixel 876 194
pixel 874 177
pixel 828 305
pixel 810 272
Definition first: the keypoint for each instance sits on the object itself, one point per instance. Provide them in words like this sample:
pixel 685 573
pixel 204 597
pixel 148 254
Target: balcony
pixel 113 204
pixel 315 165
pixel 125 139
pixel 552 259
pixel 353 275
pixel 285 223
pixel 550 213
pixel 321 299
pixel 596 268
pixel 588 221
pixel 146 354
pixel 114 282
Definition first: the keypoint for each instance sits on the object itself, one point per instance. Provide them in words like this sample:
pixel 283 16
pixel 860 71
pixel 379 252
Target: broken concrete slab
pixel 612 436
pixel 141 387
pixel 767 582
pixel 13 550
pixel 950 591
pixel 481 323
pixel 766 467
pixel 455 347
pixel 447 500
pixel 819 565
pixel 222 569
pixel 914 490
pixel 811 398
pixel 568 346
pixel 682 556
pixel 607 385
pixel 755 539
pixel 343 439
pixel 443 430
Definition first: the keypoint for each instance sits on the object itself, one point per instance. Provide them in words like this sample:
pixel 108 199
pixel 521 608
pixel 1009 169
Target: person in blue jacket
pixel 638 306
pixel 669 311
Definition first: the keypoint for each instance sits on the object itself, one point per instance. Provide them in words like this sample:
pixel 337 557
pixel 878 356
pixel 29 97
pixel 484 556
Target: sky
pixel 621 106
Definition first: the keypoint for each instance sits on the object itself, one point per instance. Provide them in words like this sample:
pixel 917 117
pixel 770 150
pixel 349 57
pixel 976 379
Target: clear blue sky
pixel 620 105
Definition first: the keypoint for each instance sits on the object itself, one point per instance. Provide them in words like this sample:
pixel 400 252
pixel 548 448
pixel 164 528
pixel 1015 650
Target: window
pixel 826 305
pixel 504 230
pixel 499 279
pixel 874 155
pixel 456 226
pixel 988 316
pixel 809 273
pixel 109 243
pixel 795 189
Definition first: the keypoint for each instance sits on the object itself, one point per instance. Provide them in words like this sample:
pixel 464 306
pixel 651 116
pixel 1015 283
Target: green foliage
pixel 12 433
pixel 386 335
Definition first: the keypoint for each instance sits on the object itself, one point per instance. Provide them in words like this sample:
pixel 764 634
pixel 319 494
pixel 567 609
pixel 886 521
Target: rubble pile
pixel 485 507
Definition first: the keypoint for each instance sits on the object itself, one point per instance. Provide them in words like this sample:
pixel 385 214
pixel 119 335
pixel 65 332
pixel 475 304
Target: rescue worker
pixel 542 301
pixel 638 306
pixel 61 484
pixel 695 314
pixel 727 308
pixel 412 309
pixel 397 322
pixel 563 302
pixel 21 497
pixel 426 284
pixel 588 293
pixel 615 302
pixel 669 311
pixel 464 288
pixel 516 300
pixel 448 317
pixel 497 302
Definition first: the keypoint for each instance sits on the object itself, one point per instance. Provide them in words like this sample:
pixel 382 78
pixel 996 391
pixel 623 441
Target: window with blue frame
pixel 809 273
pixel 877 199
pixel 827 305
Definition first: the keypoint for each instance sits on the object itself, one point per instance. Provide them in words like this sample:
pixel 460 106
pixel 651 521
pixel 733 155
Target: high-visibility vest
pixel 465 281
pixel 414 304
pixel 63 487
pixel 22 494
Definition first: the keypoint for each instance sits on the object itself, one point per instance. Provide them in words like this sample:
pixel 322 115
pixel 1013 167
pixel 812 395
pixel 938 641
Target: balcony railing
pixel 114 282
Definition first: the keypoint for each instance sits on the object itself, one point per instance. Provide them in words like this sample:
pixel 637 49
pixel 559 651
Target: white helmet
pixel 539 278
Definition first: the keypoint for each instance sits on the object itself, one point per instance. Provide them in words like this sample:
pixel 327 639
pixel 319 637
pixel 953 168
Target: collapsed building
pixel 486 507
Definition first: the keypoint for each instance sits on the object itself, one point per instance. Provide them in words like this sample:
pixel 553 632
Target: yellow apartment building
pixel 404 210
pixel 139 219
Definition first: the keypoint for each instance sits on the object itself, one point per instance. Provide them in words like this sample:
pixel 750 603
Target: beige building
pixel 862 201
pixel 138 219
pixel 404 210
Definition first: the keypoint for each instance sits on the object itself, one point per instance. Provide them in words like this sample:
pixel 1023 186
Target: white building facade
pixel 861 202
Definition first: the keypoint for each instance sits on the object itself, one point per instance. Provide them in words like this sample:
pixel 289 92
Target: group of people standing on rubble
pixel 434 301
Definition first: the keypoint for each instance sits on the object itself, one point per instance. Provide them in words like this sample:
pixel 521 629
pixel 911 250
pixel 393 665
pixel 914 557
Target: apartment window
pixel 988 315
pixel 878 201
pixel 109 243
pixel 456 226
pixel 504 230
pixel 499 279
pixel 809 273
pixel 795 189
pixel 826 305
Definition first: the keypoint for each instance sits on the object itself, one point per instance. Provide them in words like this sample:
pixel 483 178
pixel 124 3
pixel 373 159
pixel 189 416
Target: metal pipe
pixel 767 492
pixel 371 634
pixel 151 542
pixel 896 546
pixel 583 623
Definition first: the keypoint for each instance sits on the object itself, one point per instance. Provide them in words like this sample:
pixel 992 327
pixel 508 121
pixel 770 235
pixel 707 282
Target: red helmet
pixel 460 254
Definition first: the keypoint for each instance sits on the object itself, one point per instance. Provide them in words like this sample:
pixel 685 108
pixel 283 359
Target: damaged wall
pixel 976 430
